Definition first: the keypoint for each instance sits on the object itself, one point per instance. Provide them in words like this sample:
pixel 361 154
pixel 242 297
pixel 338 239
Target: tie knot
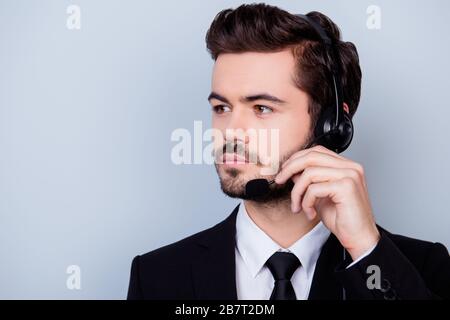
pixel 283 265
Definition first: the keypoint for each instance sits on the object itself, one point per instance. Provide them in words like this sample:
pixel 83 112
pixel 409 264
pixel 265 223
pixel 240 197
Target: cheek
pixel 219 127
pixel 294 130
pixel 220 122
pixel 215 122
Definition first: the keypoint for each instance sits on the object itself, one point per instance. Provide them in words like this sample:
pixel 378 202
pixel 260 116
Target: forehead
pixel 250 71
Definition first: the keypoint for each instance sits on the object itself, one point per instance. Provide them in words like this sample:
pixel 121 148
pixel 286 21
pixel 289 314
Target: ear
pixel 346 108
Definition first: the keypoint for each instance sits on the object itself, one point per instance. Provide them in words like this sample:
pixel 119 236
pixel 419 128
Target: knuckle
pixel 354 174
pixel 360 169
pixel 311 188
pixel 312 157
pixel 307 172
pixel 348 183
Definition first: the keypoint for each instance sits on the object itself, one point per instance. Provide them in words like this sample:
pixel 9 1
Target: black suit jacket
pixel 202 266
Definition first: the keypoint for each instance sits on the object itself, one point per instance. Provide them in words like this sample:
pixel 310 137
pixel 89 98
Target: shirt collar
pixel 255 246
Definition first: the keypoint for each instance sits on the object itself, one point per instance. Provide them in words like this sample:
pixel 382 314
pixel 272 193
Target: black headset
pixel 334 128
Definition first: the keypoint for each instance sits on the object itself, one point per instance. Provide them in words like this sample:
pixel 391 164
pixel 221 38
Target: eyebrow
pixel 259 96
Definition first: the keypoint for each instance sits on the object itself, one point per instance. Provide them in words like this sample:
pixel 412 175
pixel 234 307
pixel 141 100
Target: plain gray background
pixel 86 117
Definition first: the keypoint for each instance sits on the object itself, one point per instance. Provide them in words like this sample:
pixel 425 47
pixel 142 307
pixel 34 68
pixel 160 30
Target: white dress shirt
pixel 253 247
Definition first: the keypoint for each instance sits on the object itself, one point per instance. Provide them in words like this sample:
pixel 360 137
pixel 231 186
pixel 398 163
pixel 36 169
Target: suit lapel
pixel 214 271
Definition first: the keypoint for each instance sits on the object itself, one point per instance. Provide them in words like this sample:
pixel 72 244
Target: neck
pixel 278 221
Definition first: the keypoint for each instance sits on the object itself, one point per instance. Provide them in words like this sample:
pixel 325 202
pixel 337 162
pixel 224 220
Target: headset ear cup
pixel 323 125
pixel 337 140
pixel 345 134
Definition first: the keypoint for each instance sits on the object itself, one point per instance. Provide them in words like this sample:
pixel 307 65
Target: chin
pixel 234 179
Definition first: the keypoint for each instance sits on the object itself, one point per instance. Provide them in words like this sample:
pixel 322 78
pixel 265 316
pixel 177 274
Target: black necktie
pixel 282 265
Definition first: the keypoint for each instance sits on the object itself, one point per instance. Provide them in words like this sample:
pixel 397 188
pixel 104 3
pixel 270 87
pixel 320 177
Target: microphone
pixel 257 187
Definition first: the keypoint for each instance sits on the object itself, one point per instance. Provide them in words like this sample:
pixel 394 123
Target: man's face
pixel 255 93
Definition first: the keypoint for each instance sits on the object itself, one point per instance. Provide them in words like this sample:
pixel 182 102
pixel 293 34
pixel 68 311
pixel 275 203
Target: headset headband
pixel 336 79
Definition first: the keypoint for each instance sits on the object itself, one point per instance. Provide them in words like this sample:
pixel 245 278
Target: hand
pixel 334 188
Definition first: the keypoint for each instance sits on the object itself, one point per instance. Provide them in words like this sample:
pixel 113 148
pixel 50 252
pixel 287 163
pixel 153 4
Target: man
pixel 312 235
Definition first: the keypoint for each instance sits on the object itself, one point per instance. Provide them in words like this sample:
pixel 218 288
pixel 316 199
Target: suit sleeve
pixel 386 273
pixel 134 288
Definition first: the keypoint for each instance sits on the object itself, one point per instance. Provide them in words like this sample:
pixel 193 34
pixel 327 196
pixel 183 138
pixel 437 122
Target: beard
pixel 233 182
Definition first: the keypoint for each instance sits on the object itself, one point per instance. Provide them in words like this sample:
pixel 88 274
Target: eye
pixel 263 109
pixel 219 109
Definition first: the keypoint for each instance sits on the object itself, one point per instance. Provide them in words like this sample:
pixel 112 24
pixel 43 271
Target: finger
pixel 320 149
pixel 312 159
pixel 314 175
pixel 314 192
pixel 337 191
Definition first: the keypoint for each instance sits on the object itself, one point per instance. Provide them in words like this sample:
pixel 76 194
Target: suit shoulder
pixel 416 249
pixel 181 250
pixel 405 241
pixel 150 271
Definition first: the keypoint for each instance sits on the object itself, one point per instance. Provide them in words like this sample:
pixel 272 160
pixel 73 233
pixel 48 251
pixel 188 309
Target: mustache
pixel 237 148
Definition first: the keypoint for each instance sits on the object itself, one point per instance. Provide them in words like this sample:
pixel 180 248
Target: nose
pixel 237 119
pixel 237 126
